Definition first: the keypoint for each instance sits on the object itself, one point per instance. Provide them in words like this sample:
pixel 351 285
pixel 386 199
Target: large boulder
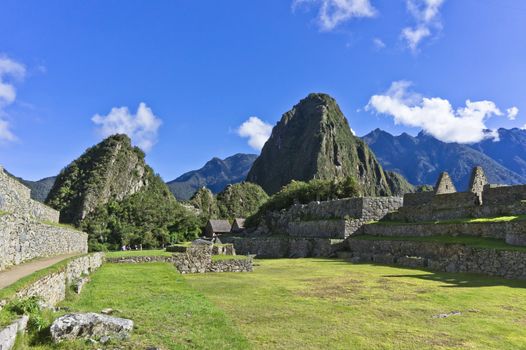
pixel 90 325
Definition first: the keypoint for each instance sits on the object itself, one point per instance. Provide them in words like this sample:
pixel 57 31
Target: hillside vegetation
pixel 314 141
pixel 117 199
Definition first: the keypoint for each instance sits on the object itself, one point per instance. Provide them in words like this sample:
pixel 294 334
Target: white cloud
pixel 335 12
pixel 378 43
pixel 5 133
pixel 512 112
pixel 435 115
pixel 141 127
pixel 426 14
pixel 10 72
pixel 257 132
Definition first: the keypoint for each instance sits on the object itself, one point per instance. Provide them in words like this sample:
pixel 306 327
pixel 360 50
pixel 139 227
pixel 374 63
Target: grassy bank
pixel 469 241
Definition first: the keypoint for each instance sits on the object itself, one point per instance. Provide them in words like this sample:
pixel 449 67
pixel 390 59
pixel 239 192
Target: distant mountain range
pixel 216 174
pixel 421 159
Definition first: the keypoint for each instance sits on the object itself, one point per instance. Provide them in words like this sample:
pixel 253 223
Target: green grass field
pixel 307 304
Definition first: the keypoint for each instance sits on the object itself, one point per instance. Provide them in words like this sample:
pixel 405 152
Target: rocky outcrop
pixel 90 325
pixel 314 141
pixel 110 170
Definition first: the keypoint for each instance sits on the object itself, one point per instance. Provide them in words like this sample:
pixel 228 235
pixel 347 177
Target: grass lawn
pixel 167 312
pixel 453 221
pixel 470 241
pixel 330 304
pixel 131 253
pixel 307 304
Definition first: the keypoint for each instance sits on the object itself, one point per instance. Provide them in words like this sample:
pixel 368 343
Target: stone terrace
pixel 485 223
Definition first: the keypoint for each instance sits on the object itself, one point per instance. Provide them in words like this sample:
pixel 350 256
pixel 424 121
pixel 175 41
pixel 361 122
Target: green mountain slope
pixel 111 193
pixel 314 141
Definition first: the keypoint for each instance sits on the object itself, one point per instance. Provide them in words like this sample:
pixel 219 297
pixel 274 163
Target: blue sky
pixel 190 73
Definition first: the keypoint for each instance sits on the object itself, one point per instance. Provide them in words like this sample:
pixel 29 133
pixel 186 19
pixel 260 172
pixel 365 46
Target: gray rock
pixel 90 325
pixel 201 241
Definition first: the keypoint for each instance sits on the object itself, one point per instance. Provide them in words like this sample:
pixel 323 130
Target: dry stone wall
pixel 441 257
pixel 23 238
pixel 51 289
pixel 286 247
pixel 498 230
pixel 16 198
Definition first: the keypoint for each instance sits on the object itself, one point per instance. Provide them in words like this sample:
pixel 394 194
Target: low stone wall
pixel 497 230
pixel 51 289
pixel 357 208
pixel 232 265
pixel 196 259
pixel 23 238
pixel 140 259
pixel 286 247
pixel 16 198
pixel 440 257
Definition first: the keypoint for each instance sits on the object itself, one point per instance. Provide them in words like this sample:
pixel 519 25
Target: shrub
pixel 298 192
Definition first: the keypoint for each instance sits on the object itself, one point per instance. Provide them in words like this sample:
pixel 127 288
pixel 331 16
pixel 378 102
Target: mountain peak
pixel 313 141
pixel 215 175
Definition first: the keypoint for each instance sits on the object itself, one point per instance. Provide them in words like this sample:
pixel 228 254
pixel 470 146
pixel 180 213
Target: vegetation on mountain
pixel 151 217
pixel 314 141
pixel 216 174
pixel 299 192
pixel 110 170
pixel 112 194
pixel 206 202
pixel 421 159
pixel 240 200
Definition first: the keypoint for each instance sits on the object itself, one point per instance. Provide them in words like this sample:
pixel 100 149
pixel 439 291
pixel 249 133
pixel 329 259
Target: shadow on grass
pixel 450 279
pixel 464 280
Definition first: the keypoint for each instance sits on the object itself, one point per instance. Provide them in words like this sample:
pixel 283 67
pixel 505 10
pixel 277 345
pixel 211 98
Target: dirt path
pixel 14 273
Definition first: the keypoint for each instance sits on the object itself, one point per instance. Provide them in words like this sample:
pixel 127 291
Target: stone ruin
pixel 443 212
pixel 29 230
pixel 444 184
pixel 480 199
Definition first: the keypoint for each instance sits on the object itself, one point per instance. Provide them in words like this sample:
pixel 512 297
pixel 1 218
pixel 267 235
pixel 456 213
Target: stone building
pixel 238 225
pixel 217 227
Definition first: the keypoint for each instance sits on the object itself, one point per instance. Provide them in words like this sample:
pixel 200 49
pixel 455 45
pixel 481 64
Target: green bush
pixel 298 192
pixel 151 218
pixel 30 307
pixel 240 200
